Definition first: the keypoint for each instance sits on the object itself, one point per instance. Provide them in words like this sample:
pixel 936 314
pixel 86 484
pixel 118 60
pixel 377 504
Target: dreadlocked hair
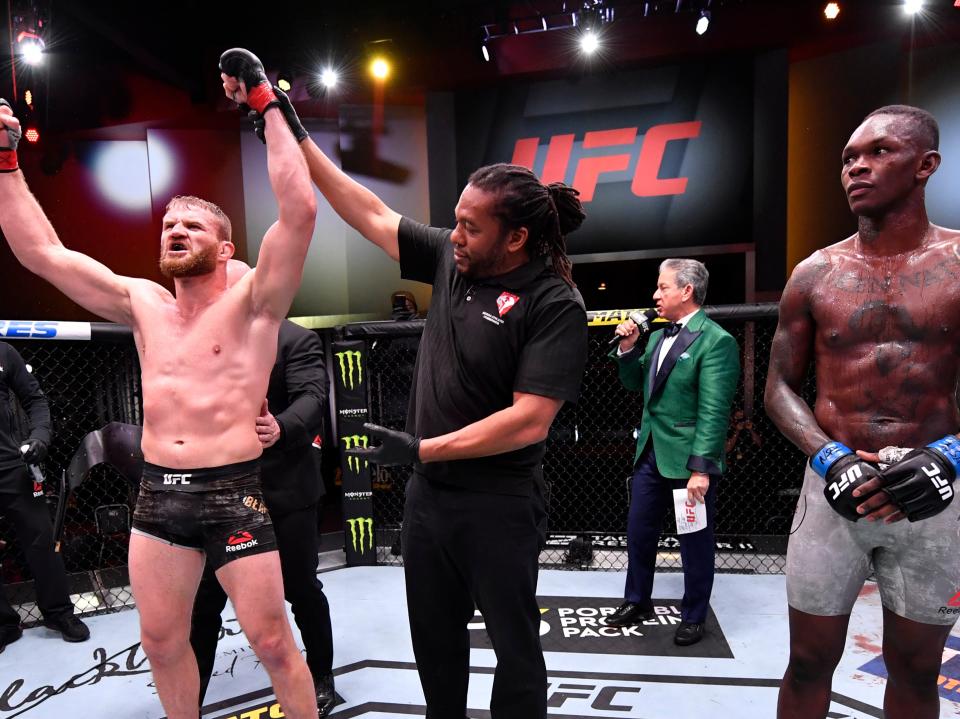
pixel 549 212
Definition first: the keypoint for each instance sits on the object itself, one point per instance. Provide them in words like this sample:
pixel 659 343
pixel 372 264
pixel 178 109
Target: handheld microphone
pixel 641 319
pixel 34 469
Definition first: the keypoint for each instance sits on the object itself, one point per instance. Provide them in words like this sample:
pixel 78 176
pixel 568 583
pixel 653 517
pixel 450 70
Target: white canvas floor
pixel 641 677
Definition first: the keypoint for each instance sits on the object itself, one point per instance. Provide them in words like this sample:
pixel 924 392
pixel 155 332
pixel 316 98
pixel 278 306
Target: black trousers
pixel 31 521
pixel 465 549
pixel 298 544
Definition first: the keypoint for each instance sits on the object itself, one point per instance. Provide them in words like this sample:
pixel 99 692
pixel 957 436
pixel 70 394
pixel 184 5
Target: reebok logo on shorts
pixel 953 605
pixel 240 541
pixel 37 489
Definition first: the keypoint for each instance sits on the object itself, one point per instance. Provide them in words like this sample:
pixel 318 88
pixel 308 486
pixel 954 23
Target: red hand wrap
pixel 8 161
pixel 261 97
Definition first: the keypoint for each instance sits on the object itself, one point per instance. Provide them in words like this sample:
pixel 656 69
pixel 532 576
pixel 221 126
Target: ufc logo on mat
pixel 942 485
pixel 176 478
pixel 846 479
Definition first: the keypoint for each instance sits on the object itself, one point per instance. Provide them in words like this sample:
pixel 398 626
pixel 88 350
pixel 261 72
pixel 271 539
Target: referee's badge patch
pixel 505 303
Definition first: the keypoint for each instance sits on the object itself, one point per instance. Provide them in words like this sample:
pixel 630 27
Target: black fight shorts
pixel 218 511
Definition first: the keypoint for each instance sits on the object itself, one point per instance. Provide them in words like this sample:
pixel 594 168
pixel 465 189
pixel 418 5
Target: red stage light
pixel 32 135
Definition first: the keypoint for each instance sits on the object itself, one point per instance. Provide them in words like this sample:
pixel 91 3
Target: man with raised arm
pixel 206 352
pixel 879 313
pixel 503 348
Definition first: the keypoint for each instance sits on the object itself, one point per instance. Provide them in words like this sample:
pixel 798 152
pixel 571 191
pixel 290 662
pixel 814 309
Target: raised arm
pixel 789 360
pixel 356 205
pixel 35 244
pixel 284 247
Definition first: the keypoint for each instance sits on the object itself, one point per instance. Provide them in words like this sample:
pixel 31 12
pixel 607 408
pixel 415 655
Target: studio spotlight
pixel 380 68
pixel 31 47
pixel 485 51
pixel 831 10
pixel 912 7
pixel 703 22
pixel 589 42
pixel 284 84
pixel 329 78
pixel 32 134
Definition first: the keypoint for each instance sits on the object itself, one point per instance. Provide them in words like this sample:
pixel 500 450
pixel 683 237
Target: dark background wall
pixel 798 85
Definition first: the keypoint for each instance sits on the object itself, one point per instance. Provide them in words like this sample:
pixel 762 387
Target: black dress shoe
pixel 628 614
pixel 326 695
pixel 69 626
pixel 9 633
pixel 688 633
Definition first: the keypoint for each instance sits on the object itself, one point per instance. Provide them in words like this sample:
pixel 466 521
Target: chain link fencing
pixel 587 464
pixel 88 384
pixel 590 452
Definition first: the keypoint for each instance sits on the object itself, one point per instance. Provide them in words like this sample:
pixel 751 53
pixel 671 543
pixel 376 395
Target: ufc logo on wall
pixel 646 181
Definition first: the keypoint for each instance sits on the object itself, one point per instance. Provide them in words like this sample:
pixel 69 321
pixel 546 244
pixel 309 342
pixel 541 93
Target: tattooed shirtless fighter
pixel 880 314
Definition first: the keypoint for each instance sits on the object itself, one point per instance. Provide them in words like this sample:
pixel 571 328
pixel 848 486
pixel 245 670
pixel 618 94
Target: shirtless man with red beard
pixel 206 352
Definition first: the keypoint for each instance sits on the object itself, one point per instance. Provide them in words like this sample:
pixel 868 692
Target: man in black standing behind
pixel 292 487
pixel 23 504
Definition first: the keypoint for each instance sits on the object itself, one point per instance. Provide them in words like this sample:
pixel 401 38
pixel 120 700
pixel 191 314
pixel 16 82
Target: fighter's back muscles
pixel 358 206
pixel 790 358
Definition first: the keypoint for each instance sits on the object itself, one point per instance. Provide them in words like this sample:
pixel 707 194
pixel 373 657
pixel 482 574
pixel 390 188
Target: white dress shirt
pixel 668 341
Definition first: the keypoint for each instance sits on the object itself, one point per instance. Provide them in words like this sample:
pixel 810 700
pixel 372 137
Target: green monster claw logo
pixel 346 360
pixel 364 527
pixel 352 442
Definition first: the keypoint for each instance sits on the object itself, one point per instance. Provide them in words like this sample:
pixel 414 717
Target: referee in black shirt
pixel 23 504
pixel 504 347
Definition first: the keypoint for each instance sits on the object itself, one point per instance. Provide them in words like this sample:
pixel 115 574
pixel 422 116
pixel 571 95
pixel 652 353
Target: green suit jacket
pixel 686 405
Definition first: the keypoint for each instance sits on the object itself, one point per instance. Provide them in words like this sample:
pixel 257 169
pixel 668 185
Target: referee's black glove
pixel 395 447
pixel 33 451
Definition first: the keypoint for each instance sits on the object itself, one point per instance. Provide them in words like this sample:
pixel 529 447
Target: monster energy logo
pixel 361 530
pixel 352 442
pixel 346 360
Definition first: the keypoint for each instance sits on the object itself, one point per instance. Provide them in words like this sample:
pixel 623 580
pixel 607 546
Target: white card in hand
pixel 691 516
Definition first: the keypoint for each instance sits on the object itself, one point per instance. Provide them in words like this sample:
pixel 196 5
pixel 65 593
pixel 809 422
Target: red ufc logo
pixel 239 538
pixel 646 182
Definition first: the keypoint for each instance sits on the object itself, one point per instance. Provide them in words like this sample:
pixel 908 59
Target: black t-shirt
pixel 523 331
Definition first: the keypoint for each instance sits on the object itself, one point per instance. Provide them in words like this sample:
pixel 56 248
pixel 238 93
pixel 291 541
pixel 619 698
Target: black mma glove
pixel 395 447
pixel 289 114
pixel 33 451
pixel 843 471
pixel 920 484
pixel 246 67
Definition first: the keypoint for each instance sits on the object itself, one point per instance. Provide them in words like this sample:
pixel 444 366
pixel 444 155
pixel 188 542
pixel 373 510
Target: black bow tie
pixel 672 329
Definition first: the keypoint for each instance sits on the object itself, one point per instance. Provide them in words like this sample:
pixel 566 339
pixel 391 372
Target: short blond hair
pixel 225 231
